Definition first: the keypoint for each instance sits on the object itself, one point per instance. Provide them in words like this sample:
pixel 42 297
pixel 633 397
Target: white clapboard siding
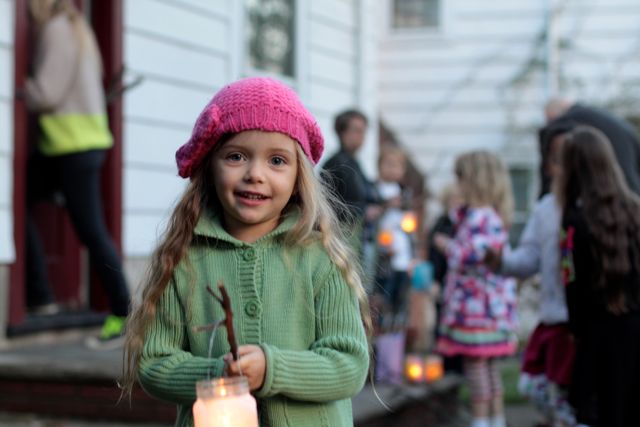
pixel 141 231
pixel 335 70
pixel 168 101
pixel 190 26
pixel 152 145
pixel 156 57
pixel 162 189
pixel 6 126
pixel 182 49
pixel 339 41
pixel 335 39
pixel 336 13
pixel 7 252
pixel 6 61
pixel 474 85
pixel 211 7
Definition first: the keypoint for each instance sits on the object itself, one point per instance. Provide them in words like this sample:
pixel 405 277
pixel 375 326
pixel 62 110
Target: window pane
pixel 521 183
pixel 521 180
pixel 416 13
pixel 270 35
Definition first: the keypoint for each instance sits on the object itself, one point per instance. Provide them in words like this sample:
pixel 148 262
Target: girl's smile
pixel 250 198
pixel 254 175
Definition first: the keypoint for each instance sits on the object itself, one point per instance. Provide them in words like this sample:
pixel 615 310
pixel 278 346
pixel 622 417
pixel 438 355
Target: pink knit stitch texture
pixel 255 103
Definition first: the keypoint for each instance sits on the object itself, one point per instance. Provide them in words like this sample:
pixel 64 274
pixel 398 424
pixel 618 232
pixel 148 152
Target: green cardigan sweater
pixel 292 301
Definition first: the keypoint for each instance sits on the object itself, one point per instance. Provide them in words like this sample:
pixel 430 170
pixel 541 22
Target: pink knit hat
pixel 255 103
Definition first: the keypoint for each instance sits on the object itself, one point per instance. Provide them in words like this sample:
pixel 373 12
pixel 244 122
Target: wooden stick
pixel 228 318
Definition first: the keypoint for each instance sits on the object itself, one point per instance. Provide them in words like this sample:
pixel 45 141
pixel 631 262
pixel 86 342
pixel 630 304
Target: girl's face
pixel 392 168
pixel 254 175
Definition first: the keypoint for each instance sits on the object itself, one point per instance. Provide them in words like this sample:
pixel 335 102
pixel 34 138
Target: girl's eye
pixel 234 157
pixel 278 161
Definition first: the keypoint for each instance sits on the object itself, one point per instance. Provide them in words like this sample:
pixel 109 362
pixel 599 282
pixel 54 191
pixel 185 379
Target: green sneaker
pixel 111 335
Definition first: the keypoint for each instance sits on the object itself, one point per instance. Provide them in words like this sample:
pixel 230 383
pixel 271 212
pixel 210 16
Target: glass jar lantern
pixel 224 402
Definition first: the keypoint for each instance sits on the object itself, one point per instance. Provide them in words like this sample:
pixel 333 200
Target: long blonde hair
pixel 317 217
pixel 484 180
pixel 42 11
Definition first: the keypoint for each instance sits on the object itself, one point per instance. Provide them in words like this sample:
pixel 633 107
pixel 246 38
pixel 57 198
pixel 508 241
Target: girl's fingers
pixel 242 364
pixel 247 349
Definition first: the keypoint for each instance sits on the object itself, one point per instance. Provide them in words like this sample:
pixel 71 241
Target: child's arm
pixel 336 364
pixel 524 261
pixel 168 370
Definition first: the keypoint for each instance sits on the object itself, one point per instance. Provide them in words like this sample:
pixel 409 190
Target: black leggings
pixel 77 176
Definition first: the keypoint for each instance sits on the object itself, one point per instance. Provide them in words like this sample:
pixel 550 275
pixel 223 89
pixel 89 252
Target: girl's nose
pixel 254 172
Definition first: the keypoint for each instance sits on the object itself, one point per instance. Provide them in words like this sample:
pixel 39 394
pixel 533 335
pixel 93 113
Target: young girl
pixel 254 217
pixel 396 250
pixel 601 269
pixel 478 314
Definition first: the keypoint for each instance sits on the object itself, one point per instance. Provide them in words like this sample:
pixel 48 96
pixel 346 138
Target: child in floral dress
pixel 478 316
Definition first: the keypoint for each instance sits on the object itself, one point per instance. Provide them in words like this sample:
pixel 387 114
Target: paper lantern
pixel 414 368
pixel 409 222
pixel 385 238
pixel 224 402
pixel 433 368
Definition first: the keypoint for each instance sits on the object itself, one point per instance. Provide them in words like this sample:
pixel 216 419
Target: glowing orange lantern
pixel 385 238
pixel 414 368
pixel 409 223
pixel 433 368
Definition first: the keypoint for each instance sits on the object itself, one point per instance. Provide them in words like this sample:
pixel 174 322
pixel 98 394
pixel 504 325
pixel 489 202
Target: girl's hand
pixel 493 259
pixel 251 363
pixel 441 241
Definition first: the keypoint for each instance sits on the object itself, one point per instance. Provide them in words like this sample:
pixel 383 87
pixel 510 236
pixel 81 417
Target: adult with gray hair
pixel 563 115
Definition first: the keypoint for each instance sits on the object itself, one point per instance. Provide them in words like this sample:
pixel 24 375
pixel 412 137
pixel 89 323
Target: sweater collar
pixel 210 225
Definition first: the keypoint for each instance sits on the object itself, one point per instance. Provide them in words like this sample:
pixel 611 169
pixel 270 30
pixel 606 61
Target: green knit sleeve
pixel 168 370
pixel 336 365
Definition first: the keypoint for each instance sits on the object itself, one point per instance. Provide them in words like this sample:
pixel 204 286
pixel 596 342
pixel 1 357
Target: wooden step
pixel 67 379
pixel 58 376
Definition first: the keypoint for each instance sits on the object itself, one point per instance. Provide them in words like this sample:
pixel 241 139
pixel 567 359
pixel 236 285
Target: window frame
pixel 520 216
pixel 443 29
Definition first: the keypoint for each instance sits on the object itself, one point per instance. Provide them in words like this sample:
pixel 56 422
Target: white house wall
pixel 482 81
pixel 7 252
pixel 342 45
pixel 185 62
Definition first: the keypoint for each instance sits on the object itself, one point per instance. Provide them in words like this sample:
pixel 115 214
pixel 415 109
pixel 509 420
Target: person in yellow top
pixel 65 90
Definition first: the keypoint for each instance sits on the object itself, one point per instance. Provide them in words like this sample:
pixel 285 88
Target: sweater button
pixel 249 254
pixel 252 308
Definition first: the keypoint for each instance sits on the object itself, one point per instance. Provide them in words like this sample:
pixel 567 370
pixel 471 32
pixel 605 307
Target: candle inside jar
pixel 224 402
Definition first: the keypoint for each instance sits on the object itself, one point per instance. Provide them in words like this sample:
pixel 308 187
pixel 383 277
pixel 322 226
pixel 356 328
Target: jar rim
pixel 222 386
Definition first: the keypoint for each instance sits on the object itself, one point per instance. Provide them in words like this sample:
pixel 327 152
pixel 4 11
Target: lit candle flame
pixel 409 223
